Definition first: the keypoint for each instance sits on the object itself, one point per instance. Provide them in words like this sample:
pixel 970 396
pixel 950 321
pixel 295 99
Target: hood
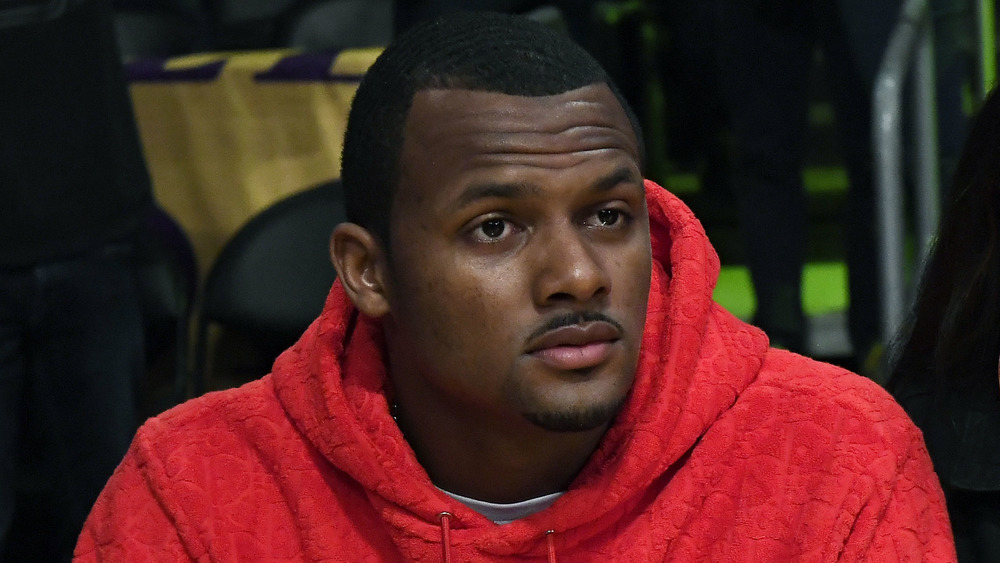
pixel 695 359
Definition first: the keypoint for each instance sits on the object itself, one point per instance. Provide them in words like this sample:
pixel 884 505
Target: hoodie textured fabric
pixel 725 450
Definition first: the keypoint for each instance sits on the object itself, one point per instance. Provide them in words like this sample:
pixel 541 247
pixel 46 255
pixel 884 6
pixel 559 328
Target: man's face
pixel 520 257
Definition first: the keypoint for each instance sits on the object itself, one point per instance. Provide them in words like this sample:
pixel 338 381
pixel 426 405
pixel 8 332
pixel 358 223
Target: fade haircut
pixel 469 51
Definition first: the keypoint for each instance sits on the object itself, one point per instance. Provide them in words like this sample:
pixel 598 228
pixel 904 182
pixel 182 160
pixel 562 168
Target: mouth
pixel 575 347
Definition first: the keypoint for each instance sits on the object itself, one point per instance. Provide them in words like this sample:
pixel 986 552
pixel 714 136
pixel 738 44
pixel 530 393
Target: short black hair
pixel 470 51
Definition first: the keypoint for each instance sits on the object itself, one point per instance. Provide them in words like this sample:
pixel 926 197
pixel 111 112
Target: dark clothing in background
pixel 72 175
pixel 962 432
pixel 73 190
pixel 70 349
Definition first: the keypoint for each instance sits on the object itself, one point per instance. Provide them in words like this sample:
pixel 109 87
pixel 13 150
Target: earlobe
pixel 360 262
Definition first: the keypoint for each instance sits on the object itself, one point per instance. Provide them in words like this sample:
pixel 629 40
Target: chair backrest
pixel 167 276
pixel 166 268
pixel 274 274
pixel 271 279
pixel 323 25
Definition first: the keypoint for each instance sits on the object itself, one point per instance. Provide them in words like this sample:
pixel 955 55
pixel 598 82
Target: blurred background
pixel 814 140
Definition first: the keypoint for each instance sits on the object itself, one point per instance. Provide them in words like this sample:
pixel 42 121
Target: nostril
pixel 571 269
pixel 581 293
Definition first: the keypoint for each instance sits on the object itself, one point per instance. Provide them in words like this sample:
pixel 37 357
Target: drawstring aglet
pixel 445 518
pixel 550 541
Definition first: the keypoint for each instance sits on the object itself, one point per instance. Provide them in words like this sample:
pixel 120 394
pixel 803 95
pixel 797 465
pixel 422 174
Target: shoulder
pixel 830 409
pixel 214 427
pixel 810 382
pixel 183 465
pixel 218 407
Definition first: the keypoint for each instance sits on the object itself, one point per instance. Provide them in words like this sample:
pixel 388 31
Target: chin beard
pixel 575 420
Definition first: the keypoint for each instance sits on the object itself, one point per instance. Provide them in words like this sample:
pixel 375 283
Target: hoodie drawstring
pixel 445 518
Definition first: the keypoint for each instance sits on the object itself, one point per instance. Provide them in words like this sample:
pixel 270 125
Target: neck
pixel 490 458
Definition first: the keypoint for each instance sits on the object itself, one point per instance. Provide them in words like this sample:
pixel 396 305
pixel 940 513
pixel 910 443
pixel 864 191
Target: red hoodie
pixel 724 451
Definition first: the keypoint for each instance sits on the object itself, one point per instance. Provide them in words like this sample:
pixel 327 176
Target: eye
pixel 609 217
pixel 492 230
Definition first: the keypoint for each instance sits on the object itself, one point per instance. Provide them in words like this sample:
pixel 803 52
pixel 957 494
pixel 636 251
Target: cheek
pixel 460 314
pixel 479 311
pixel 633 278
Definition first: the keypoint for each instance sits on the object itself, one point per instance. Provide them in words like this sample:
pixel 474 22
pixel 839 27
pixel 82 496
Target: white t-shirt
pixel 507 513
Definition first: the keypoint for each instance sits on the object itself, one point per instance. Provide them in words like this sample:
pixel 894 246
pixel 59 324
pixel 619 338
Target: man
pixel 521 360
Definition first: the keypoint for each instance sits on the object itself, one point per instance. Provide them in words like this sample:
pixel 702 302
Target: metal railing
pixel 911 45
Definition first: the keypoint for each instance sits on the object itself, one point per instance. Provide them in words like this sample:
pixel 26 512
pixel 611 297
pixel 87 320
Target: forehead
pixel 449 133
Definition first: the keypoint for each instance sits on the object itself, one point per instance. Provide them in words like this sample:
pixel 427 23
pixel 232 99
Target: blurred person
pixel 73 189
pixel 521 359
pixel 766 51
pixel 945 371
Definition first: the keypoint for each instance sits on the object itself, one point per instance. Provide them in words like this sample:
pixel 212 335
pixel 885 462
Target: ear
pixel 361 266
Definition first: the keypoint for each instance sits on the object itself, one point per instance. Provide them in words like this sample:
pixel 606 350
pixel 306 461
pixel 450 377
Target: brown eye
pixel 608 217
pixel 493 228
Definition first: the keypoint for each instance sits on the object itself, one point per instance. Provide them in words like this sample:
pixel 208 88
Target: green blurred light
pixel 824 289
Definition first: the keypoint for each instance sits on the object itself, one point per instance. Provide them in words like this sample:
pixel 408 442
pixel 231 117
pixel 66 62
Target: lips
pixel 575 347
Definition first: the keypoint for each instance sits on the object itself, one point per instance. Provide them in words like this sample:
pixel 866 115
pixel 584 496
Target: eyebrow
pixel 495 190
pixel 514 190
pixel 622 175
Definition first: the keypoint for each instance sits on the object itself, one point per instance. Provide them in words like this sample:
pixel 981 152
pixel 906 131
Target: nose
pixel 569 268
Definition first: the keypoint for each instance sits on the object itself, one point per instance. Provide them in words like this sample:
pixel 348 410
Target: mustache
pixel 570 319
